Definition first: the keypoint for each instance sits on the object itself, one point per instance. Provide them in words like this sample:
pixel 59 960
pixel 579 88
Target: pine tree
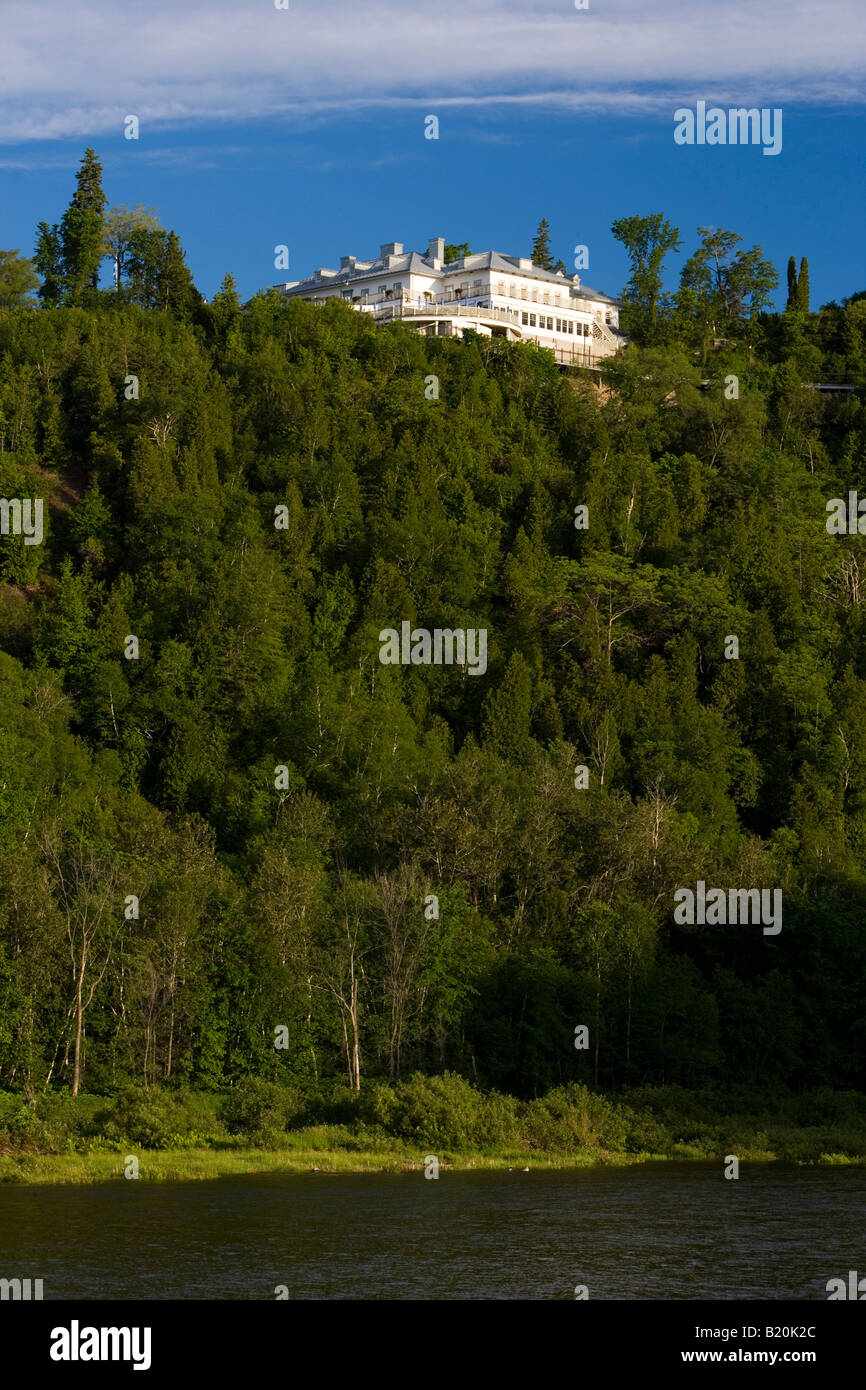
pixel 145 252
pixel 82 230
pixel 793 300
pixel 803 287
pixel 225 308
pixel 176 289
pixel 49 264
pixel 541 253
pixel 227 297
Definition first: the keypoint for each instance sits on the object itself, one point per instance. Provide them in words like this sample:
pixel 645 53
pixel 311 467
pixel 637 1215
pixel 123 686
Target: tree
pixel 226 303
pixel 454 251
pixel 88 884
pixel 793 301
pixel 145 249
pixel 405 934
pixel 507 712
pixel 120 225
pixel 721 284
pixel 82 231
pixel 17 279
pixel 803 287
pixel 647 241
pixel 176 289
pixel 541 253
pixel 340 966
pixel 48 261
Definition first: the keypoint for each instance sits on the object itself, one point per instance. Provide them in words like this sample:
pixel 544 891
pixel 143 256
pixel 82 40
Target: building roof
pixel 413 263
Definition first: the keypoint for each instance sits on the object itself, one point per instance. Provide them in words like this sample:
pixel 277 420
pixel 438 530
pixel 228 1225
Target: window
pixel 559 325
pixel 500 288
pixel 523 292
pixel 383 289
pixel 550 324
pixel 531 320
pixel 476 283
pixel 547 296
pixel 524 318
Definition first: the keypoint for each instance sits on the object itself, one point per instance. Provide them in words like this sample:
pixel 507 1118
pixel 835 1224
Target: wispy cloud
pixel 71 70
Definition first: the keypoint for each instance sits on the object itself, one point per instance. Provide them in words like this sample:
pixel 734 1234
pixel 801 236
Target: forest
pixel 236 848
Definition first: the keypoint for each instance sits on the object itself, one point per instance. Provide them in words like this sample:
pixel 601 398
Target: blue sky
pixel 306 126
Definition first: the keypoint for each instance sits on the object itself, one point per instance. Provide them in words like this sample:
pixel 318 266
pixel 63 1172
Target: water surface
pixel 660 1230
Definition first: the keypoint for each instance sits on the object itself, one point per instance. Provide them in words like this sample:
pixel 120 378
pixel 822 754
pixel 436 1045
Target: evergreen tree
pixel 803 287
pixel 455 251
pixel 144 255
pixel 793 300
pixel 82 231
pixel 49 264
pixel 541 252
pixel 176 289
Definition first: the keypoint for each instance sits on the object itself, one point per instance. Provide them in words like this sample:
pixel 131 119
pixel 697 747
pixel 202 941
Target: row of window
pixel 562 325
pixel 552 297
pixel 538 296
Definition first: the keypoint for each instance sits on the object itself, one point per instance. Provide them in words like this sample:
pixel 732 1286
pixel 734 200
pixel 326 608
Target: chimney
pixel 347 262
pixel 391 248
pixel 436 249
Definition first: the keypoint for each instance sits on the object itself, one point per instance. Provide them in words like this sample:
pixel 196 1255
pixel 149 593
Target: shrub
pixel 572 1117
pixel 153 1119
pixel 258 1110
pixel 445 1112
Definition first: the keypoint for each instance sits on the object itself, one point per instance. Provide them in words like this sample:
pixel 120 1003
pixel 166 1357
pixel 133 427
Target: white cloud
pixel 78 69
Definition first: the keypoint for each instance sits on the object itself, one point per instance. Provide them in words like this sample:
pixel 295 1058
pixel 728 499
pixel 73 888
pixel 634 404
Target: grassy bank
pixel 260 1126
pixel 192 1165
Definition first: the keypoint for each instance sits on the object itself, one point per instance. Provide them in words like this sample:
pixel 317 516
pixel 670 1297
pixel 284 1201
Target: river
pixel 655 1231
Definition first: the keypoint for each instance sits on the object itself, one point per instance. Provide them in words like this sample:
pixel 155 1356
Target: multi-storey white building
pixel 499 296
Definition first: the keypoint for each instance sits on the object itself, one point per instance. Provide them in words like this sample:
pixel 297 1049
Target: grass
pixel 179 1135
pixel 194 1165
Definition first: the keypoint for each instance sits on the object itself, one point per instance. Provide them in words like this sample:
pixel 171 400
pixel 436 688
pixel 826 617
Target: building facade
pixel 493 294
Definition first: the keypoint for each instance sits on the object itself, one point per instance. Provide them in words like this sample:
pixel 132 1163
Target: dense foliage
pixel 297 900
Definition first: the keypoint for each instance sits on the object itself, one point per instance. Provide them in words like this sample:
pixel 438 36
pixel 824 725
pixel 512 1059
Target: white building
pixel 495 295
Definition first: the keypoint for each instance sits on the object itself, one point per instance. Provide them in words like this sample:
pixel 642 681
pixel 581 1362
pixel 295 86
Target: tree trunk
pixel 79 1027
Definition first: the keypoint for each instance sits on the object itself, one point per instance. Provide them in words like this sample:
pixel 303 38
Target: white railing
pixel 565 353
